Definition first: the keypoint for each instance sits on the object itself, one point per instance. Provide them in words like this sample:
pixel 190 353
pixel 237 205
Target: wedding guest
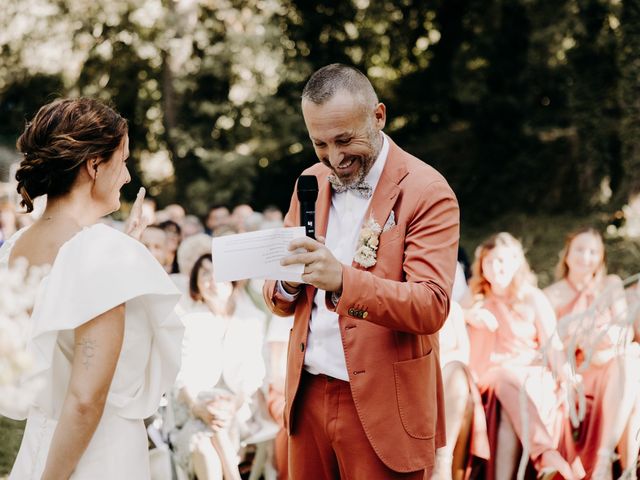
pixel 277 341
pixel 592 312
pixel 222 367
pixel 155 239
pixel 218 215
pixel 191 225
pixel 632 294
pixel 175 213
pixel 174 237
pixel 161 216
pixel 272 214
pixel 149 207
pixel 253 222
pixel 189 251
pixel 510 321
pixel 459 390
pixel 460 287
pixel 239 215
pixel 8 221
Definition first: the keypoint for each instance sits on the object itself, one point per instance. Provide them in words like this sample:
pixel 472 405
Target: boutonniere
pixel 368 244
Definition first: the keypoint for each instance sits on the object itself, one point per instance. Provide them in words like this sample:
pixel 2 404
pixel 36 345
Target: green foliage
pixel 10 438
pixel 524 105
pixel 629 61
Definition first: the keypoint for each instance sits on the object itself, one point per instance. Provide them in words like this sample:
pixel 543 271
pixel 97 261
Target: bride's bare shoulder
pixel 39 244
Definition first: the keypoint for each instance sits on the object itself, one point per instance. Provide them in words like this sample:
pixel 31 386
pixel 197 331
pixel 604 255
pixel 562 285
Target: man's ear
pixel 380 114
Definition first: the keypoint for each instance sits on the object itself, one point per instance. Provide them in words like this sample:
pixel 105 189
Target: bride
pixel 104 337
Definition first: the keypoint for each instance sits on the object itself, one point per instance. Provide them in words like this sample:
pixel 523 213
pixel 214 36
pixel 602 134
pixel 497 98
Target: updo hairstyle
pixel 61 137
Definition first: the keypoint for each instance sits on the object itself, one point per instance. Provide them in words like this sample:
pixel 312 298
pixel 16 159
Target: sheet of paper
pixel 256 255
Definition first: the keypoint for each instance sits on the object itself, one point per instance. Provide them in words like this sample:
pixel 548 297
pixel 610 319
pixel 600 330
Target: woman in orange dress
pixel 593 325
pixel 510 322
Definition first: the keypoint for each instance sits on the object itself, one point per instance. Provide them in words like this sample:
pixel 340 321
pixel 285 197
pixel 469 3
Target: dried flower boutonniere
pixel 368 244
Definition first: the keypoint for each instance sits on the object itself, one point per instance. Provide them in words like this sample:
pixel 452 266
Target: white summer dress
pixel 96 270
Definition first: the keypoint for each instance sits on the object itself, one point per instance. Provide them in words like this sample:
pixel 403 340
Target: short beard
pixel 366 162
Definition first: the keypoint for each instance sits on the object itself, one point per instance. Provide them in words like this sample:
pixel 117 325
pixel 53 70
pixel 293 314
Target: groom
pixel 364 391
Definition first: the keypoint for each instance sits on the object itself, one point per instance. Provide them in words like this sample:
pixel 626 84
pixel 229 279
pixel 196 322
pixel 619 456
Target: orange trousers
pixel 329 442
pixel 275 404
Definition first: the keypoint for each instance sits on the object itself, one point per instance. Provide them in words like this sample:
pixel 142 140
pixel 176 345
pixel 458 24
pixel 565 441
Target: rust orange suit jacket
pixel 392 353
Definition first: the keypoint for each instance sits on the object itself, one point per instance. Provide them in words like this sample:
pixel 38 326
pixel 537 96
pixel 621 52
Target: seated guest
pixel 632 295
pixel 277 340
pixel 155 239
pixel 459 389
pixel 592 318
pixel 175 213
pixel 272 214
pixel 8 221
pixel 218 216
pixel 239 214
pixel 222 368
pixel 174 237
pixel 189 251
pixel 510 320
pixel 191 225
pixel 149 210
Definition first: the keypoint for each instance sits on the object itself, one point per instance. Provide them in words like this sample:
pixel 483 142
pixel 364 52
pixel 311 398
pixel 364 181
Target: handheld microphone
pixel 307 196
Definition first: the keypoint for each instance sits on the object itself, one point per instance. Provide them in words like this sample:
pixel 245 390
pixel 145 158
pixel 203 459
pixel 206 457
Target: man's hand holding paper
pixel 321 268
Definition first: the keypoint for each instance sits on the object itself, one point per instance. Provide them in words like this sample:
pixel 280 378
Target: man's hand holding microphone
pixel 321 268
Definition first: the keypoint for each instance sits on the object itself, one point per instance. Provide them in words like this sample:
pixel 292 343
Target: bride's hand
pixel 137 222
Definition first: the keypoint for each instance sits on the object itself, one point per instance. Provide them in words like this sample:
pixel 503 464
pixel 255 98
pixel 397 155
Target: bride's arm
pixel 96 351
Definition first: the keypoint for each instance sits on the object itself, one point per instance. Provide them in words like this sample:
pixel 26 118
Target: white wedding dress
pixel 96 270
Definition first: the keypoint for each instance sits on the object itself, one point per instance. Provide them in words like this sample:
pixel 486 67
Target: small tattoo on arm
pixel 88 348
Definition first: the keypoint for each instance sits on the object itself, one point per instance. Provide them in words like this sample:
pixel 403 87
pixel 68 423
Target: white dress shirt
pixel 324 351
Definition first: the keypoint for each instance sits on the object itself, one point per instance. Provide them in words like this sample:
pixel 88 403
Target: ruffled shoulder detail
pixel 96 270
pixel 5 249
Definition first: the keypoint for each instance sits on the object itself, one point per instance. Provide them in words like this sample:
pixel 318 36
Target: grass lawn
pixel 10 436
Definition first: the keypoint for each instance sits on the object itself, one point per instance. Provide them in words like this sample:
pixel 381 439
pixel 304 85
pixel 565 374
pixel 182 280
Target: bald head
pixel 329 80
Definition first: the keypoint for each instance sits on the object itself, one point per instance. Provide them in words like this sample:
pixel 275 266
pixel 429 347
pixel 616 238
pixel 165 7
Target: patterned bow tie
pixel 362 188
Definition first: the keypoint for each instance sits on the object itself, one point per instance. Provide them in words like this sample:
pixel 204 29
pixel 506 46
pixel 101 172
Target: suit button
pixel 352 312
pixel 365 314
pixel 302 347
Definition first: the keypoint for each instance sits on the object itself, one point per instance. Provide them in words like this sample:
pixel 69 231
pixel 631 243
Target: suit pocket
pixel 415 391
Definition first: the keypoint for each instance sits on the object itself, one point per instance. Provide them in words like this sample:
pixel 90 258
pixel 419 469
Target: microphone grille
pixel 307 188
pixel 307 182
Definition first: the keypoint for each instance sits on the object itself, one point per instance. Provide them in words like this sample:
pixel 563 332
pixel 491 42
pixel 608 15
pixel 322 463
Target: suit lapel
pixel 387 190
